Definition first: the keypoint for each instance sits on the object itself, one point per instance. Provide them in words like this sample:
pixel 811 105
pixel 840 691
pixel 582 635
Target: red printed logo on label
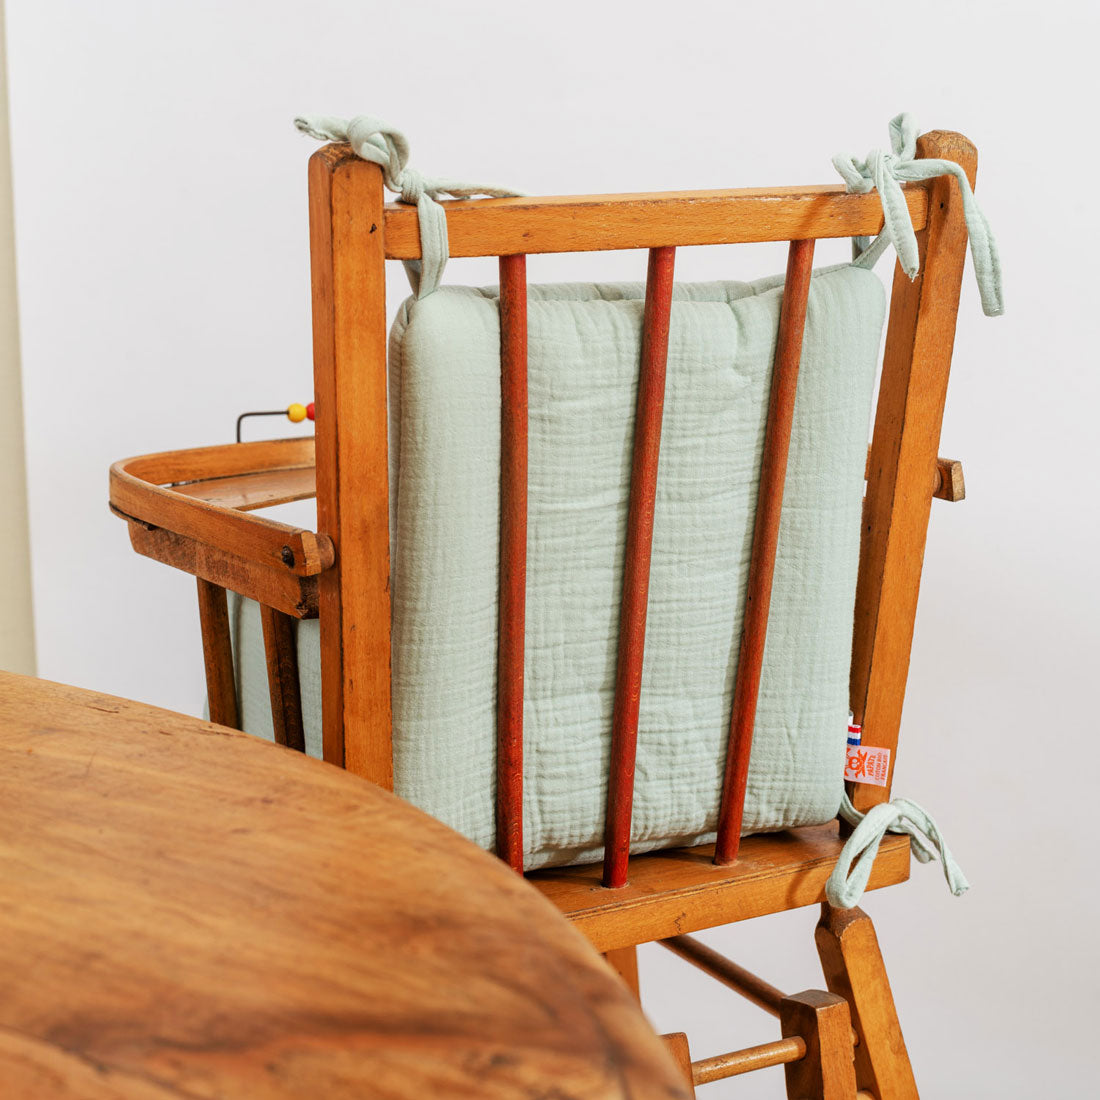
pixel 867 764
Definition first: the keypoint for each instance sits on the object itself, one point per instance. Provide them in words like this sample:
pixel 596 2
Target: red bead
pixel 309 411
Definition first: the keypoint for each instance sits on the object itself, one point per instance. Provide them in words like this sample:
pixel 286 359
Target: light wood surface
pixel 586 223
pixel 263 489
pixel 682 890
pixel 188 911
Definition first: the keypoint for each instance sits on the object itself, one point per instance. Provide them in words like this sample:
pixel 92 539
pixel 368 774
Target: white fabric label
pixel 867 764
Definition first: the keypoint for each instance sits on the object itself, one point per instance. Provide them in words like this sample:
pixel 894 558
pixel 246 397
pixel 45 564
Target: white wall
pixel 161 216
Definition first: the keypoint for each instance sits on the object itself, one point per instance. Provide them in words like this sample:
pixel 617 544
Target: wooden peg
pixel 950 485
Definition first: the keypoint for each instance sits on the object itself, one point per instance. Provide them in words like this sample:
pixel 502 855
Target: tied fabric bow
pixel 853 869
pixel 885 172
pixel 374 140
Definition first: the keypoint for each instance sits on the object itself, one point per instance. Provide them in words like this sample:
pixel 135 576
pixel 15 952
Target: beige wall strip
pixel 16 619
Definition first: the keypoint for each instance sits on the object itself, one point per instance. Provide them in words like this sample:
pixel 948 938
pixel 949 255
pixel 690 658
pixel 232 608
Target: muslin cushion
pixel 584 349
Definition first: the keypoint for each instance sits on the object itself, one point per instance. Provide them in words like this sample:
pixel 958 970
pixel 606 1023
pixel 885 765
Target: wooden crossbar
pixel 753 988
pixel 736 1062
pixel 588 223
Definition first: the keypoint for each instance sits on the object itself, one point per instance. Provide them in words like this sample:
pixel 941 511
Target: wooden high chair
pixel 193 509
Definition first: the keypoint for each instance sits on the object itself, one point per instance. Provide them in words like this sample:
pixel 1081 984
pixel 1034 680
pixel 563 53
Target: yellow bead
pixel 296 413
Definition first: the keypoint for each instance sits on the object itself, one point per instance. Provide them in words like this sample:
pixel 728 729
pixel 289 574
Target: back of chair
pixel 353 233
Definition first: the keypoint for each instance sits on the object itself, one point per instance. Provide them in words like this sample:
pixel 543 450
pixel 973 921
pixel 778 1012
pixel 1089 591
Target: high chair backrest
pixel 354 232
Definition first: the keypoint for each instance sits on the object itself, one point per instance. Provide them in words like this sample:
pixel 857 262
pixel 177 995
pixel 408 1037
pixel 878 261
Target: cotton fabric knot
pixel 885 171
pixel 376 141
pixel 412 186
pixel 853 869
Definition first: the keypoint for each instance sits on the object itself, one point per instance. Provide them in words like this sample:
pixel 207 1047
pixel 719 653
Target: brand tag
pixel 867 764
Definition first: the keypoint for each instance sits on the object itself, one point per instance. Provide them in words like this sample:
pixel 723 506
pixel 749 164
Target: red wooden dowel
pixel 639 543
pixel 765 537
pixel 513 557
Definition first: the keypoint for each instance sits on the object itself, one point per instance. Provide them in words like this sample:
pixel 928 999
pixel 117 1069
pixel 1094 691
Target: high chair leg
pixel 853 966
pixel 281 651
pixel 624 961
pixel 217 650
pixel 677 1045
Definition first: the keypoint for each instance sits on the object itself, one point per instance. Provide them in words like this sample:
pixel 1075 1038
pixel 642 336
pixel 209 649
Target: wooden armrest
pixel 190 509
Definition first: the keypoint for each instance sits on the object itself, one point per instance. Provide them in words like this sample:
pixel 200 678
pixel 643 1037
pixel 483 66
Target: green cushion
pixel 584 348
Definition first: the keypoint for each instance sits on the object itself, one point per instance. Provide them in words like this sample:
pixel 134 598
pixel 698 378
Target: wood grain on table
pixel 186 911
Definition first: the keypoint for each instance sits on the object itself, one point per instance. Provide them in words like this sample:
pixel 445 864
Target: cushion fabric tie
pixel 374 140
pixel 885 172
pixel 853 869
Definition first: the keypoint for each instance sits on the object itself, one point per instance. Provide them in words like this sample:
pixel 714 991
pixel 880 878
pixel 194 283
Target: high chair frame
pixel 192 509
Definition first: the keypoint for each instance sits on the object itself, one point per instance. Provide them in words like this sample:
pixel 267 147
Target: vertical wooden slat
pixel 901 474
pixel 217 653
pixel 513 558
pixel 281 650
pixel 639 543
pixel 349 372
pixel 765 537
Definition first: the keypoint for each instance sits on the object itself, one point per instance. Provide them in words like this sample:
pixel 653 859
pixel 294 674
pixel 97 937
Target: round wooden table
pixel 186 911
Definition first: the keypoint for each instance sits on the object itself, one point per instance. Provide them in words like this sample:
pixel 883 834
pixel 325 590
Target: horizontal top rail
pixel 589 223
